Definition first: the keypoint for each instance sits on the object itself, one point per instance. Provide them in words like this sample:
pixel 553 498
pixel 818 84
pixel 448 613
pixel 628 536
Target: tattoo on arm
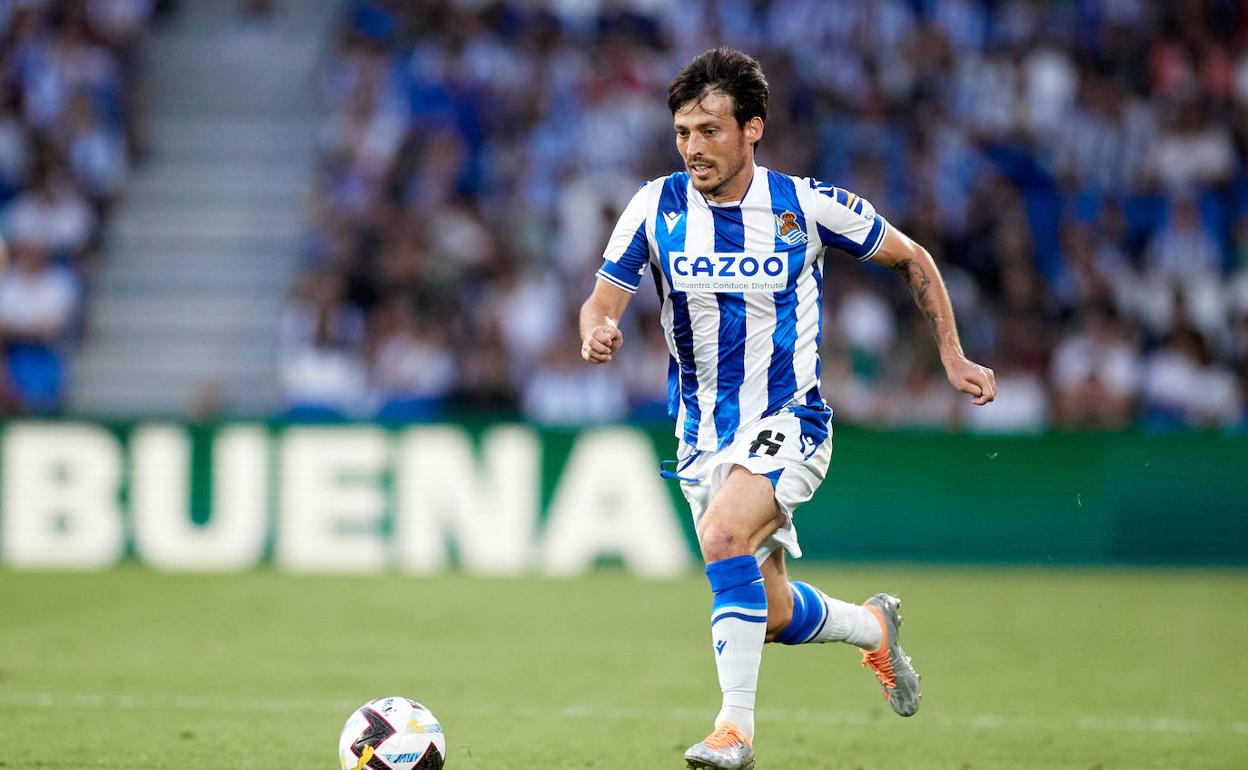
pixel 920 283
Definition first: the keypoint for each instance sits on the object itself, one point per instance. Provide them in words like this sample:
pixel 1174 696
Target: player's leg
pixel 796 612
pixel 816 618
pixel 779 595
pixel 740 516
pixel 810 616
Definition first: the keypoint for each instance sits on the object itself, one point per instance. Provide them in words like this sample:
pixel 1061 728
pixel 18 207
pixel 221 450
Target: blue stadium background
pixel 1077 169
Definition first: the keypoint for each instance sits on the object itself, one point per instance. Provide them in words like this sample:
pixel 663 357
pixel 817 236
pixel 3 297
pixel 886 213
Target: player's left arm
pixel 917 268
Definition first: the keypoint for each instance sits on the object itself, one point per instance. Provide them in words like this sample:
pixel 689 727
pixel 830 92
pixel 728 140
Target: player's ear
pixel 753 129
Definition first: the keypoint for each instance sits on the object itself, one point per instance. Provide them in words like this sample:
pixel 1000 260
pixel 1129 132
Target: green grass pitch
pixel 1023 668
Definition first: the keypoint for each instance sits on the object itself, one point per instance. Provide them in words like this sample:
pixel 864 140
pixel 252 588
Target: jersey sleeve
pixel 628 250
pixel 847 221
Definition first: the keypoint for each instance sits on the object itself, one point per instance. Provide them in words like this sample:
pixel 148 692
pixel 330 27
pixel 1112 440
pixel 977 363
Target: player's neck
pixel 736 188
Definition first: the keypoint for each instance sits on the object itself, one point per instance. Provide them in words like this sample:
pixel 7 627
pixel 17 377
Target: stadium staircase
pixel 202 252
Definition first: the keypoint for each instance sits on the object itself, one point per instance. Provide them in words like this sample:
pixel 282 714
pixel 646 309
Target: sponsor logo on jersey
pixel 735 272
pixel 672 218
pixel 788 230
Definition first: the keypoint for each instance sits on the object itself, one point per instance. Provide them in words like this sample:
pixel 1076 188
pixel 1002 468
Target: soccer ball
pixel 392 734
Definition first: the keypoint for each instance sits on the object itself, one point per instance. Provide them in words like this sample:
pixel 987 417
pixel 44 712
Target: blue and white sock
pixel 738 631
pixel 819 618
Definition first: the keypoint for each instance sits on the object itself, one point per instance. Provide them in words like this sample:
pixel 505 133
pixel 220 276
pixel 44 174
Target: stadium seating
pixel 1077 170
pixel 70 127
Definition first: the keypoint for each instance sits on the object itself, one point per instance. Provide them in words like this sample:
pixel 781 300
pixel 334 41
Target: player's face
pixel 718 153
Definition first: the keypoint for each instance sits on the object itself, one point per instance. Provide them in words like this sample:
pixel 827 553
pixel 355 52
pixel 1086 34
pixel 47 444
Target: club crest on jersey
pixel 788 230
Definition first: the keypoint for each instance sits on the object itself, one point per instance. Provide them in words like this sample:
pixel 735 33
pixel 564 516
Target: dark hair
pixel 722 69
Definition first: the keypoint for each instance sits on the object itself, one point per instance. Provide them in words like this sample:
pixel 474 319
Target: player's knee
pixel 722 542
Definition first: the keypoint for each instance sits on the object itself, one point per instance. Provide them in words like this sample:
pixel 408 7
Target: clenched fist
pixel 977 381
pixel 602 342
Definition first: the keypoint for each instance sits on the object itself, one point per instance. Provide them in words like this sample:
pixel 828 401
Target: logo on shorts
pixel 764 443
pixel 720 645
pixel 788 230
pixel 809 445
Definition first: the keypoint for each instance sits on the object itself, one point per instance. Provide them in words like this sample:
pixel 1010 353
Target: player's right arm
pixel 600 336
pixel 624 262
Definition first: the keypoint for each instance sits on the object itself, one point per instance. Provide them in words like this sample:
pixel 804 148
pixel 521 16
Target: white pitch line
pixel 600 713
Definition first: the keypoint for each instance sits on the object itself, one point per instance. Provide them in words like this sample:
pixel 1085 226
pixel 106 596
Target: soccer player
pixel 737 251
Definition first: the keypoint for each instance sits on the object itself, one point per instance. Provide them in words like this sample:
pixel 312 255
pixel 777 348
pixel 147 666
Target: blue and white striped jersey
pixel 741 285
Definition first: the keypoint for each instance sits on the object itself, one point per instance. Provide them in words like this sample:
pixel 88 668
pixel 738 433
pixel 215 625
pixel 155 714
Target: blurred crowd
pixel 70 128
pixel 1078 169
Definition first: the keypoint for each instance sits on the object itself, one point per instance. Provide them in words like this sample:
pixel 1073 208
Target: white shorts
pixel 792 448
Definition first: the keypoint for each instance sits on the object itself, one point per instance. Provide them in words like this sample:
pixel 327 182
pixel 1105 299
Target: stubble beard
pixel 714 189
